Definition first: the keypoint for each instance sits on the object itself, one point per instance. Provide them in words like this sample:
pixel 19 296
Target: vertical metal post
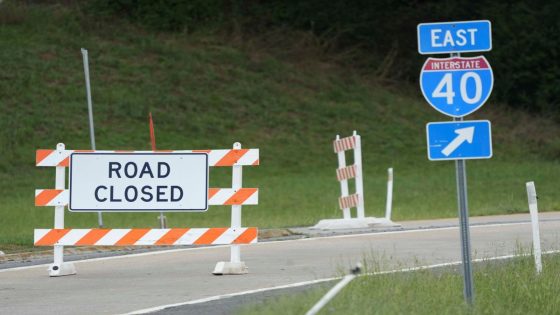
pixel 359 176
pixel 90 114
pixel 462 200
pixel 236 184
pixel 343 183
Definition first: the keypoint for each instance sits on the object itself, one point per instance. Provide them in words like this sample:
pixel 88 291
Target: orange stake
pixel 152 134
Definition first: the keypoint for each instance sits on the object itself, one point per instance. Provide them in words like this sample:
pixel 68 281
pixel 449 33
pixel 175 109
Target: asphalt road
pixel 128 283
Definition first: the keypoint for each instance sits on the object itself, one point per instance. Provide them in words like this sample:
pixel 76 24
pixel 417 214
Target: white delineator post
pixel 235 265
pixel 343 183
pixel 360 213
pixel 59 267
pixel 389 204
pixel 533 209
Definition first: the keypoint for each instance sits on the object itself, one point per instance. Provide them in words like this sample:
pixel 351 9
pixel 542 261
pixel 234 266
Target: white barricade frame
pixel 347 201
pixel 236 197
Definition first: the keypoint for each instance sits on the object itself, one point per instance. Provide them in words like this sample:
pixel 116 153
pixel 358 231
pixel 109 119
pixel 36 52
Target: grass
pixel 206 91
pixel 510 287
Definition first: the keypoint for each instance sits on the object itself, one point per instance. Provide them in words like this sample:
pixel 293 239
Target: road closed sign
pixel 148 181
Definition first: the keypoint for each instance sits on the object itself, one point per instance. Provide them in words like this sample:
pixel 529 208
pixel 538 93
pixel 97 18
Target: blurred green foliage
pixel 525 43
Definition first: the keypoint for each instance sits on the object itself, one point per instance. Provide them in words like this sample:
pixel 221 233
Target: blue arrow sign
pixel 456 86
pixel 459 140
pixel 454 37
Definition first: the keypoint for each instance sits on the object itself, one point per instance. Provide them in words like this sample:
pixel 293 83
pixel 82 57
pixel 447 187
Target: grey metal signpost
pixel 456 87
pixel 462 200
pixel 90 114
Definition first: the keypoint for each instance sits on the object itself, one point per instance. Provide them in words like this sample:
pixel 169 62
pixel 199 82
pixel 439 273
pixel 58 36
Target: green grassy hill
pixel 206 91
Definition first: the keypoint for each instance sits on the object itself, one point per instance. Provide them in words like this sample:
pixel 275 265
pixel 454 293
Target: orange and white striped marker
pixel 344 144
pixel 134 237
pixel 245 157
pixel 216 197
pixel 345 173
pixel 351 201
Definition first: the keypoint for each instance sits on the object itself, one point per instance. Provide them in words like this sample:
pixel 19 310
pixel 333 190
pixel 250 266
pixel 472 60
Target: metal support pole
pixel 462 199
pixel 90 114
pixel 335 290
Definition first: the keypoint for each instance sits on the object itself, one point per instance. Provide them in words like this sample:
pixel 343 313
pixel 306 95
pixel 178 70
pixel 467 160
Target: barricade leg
pixel 360 213
pixel 59 267
pixel 235 266
pixel 343 183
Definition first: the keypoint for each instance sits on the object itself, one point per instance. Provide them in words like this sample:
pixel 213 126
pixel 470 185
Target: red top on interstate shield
pixel 455 63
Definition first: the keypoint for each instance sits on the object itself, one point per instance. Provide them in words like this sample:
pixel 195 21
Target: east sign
pixel 454 37
pixel 138 182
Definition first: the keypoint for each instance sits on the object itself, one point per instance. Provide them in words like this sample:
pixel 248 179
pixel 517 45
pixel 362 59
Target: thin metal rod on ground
pixel 334 290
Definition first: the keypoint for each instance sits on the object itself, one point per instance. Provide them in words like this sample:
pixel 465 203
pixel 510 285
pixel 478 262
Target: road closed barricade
pixel 140 181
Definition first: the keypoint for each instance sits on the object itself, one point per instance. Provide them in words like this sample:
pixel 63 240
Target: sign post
pixel 457 87
pixel 90 115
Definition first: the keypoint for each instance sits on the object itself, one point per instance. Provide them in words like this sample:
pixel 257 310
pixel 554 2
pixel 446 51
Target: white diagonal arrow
pixel 464 134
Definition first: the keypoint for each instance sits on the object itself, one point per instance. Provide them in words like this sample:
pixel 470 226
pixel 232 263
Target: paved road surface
pixel 128 283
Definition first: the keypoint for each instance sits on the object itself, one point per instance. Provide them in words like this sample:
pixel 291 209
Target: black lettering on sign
pixel 114 167
pixel 163 170
pixel 127 195
pixel 160 193
pixel 146 190
pixel 112 195
pixel 146 169
pixel 130 169
pixel 97 193
pixel 179 191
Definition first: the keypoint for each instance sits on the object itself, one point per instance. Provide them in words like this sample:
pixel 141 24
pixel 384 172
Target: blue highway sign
pixel 456 86
pixel 454 37
pixel 459 140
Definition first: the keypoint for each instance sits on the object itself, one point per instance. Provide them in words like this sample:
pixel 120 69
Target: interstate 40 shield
pixel 456 86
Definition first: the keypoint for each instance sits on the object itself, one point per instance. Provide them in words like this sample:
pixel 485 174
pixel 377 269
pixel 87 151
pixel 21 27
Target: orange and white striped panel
pixel 131 237
pixel 351 201
pixel 229 196
pixel 346 172
pixel 231 157
pixel 51 197
pixel 216 197
pixel 344 144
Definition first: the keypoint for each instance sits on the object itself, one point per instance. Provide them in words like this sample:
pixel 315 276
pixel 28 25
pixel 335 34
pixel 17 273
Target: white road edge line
pixel 304 283
pixel 418 230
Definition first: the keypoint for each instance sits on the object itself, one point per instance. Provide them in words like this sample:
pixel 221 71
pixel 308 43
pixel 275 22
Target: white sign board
pixel 124 182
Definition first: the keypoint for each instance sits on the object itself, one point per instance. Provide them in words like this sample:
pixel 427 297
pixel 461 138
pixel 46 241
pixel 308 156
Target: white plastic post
pixel 389 204
pixel 235 266
pixel 343 183
pixel 59 267
pixel 533 209
pixel 236 183
pixel 359 177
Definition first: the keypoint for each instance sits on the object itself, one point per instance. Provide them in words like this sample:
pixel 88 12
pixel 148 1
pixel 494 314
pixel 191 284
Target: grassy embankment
pixel 507 287
pixel 208 92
